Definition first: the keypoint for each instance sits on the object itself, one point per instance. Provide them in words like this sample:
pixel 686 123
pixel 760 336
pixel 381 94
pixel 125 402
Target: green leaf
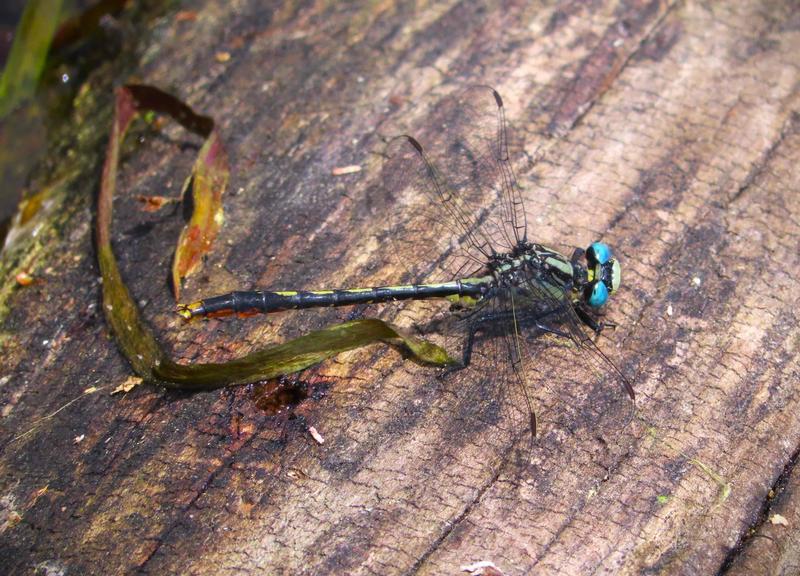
pixel 28 53
pixel 135 339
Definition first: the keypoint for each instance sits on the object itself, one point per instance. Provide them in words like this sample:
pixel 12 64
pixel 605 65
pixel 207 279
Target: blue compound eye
pixel 598 294
pixel 598 253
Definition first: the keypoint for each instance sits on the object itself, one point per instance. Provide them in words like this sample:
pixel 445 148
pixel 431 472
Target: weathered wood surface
pixel 671 129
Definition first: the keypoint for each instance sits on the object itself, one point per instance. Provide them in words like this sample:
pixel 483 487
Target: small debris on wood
pixel 129 384
pixel 483 568
pixel 154 203
pixel 78 439
pixel 185 16
pixel 777 519
pixel 316 435
pixel 87 391
pixel 9 520
pixel 24 279
pixel 222 56
pixel 342 170
pixel 40 492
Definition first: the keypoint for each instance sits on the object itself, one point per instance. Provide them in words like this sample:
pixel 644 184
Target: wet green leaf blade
pixel 134 337
pixel 28 53
pixel 298 354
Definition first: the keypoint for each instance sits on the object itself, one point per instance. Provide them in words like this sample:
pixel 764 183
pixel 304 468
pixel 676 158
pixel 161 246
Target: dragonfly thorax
pixel 535 267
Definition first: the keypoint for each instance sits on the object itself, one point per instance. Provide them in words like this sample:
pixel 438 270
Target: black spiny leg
pixel 466 355
pixel 577 256
pixel 550 330
pixel 609 324
pixel 589 320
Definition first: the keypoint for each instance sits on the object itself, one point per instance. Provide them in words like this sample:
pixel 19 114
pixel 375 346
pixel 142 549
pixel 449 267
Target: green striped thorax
pixel 591 284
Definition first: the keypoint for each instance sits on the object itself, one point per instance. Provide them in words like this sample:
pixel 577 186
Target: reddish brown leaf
pixel 209 180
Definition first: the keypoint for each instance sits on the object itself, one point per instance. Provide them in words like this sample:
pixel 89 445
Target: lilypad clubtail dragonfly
pixel 468 233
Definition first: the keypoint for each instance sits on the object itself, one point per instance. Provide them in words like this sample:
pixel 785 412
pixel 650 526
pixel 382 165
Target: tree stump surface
pixel 669 129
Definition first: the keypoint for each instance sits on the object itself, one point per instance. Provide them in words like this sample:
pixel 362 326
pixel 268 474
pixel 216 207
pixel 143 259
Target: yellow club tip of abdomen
pixel 187 311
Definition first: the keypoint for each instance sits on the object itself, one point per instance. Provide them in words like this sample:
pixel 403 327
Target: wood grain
pixel 669 129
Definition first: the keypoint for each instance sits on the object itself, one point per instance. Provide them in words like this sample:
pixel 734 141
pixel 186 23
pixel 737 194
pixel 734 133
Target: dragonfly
pixel 460 228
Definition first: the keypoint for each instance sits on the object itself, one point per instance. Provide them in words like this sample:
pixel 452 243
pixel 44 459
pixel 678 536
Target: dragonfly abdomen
pixel 263 302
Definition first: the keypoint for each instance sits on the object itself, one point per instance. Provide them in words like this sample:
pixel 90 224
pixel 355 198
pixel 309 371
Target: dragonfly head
pixel 602 275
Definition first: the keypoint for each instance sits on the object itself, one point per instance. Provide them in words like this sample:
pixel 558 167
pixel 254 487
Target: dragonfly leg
pixel 609 324
pixel 550 330
pixel 466 355
pixel 577 255
pixel 589 320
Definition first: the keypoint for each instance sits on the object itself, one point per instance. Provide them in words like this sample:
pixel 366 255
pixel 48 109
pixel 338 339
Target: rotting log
pixel 669 129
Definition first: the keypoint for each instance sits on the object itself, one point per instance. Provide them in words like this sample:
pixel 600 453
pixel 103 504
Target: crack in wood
pixel 751 531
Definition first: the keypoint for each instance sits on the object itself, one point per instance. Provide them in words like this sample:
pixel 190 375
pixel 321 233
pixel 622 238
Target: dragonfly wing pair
pixel 459 230
pixel 467 204
pixel 458 212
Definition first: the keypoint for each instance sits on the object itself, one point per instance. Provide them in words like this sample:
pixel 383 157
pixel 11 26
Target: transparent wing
pixel 522 350
pixel 476 159
pixel 544 309
pixel 580 381
pixel 453 204
pixel 493 396
pixel 452 195
pixel 433 230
